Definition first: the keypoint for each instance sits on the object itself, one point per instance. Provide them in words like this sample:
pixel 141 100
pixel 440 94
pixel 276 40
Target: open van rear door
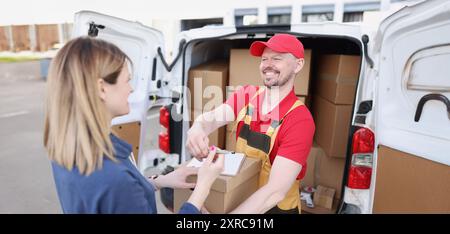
pixel 141 44
pixel 413 111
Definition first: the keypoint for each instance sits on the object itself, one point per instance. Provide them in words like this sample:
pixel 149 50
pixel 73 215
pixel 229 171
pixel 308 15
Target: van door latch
pixel 428 97
pixel 365 40
pixel 93 29
pixel 174 98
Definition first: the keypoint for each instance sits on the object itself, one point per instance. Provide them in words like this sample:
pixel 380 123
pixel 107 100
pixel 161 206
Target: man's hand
pixel 197 142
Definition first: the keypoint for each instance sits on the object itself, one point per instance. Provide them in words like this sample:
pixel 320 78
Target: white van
pixel 398 152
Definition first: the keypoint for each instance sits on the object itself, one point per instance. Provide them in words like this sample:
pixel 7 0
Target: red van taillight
pixel 360 172
pixel 164 142
pixel 164 137
pixel 164 116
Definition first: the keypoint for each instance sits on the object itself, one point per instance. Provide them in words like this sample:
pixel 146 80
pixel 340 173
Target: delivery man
pixel 271 124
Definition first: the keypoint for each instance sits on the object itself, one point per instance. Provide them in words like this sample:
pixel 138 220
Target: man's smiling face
pixel 277 68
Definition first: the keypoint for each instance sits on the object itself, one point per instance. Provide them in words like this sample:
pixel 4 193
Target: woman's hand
pixel 207 174
pixel 176 178
pixel 211 168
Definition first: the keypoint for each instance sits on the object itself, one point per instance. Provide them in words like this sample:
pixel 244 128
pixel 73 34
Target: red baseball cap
pixel 282 43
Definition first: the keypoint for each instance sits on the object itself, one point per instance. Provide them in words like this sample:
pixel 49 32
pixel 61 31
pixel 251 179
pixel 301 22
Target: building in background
pixel 200 13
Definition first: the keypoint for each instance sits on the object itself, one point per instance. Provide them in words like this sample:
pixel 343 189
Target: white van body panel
pixel 415 50
pixel 140 43
pixel 412 54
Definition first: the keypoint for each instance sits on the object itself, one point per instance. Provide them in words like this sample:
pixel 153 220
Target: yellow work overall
pixel 259 145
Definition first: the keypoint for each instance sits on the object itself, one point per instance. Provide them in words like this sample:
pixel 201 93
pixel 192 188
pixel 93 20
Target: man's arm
pixel 197 137
pixel 282 175
pixel 214 119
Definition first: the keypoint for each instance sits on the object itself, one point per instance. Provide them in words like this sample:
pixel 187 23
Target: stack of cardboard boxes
pixel 334 93
pixel 333 101
pixel 244 70
pixel 207 84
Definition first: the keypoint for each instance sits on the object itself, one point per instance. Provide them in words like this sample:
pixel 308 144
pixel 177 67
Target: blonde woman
pixel 88 85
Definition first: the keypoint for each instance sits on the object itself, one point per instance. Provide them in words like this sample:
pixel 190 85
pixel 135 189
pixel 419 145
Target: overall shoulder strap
pixel 243 111
pixel 273 130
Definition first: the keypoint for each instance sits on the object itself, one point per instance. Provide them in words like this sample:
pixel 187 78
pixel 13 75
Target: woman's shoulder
pixel 110 173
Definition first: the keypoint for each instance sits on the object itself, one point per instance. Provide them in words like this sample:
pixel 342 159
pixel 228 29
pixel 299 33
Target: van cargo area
pixel 327 85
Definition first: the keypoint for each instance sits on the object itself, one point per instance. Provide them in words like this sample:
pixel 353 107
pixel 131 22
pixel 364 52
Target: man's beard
pixel 279 82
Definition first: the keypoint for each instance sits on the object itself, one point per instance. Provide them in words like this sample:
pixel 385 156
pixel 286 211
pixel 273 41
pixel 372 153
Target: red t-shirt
pixel 295 136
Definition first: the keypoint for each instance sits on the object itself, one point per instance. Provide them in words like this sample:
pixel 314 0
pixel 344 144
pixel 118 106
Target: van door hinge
pixel 93 29
pixel 365 41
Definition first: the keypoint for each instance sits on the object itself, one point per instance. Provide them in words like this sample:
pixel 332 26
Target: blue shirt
pixel 118 187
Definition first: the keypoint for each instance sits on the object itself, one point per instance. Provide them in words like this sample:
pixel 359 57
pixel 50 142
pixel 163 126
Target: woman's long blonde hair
pixel 77 125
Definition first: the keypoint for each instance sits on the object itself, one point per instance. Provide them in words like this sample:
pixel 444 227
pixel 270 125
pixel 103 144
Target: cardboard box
pixel 207 84
pixel 306 100
pixel 319 209
pixel 227 192
pixel 329 172
pixel 323 197
pixel 332 126
pixel 337 78
pixel 230 127
pixel 312 164
pixel 244 70
pixel 230 140
pixel 217 138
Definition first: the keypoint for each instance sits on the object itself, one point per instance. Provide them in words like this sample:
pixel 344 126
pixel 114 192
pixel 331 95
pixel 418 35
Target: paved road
pixel 25 175
pixel 26 180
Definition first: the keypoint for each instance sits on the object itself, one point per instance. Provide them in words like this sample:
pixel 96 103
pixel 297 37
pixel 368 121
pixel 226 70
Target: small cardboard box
pixel 338 76
pixel 323 197
pixel 332 126
pixel 227 192
pixel 244 70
